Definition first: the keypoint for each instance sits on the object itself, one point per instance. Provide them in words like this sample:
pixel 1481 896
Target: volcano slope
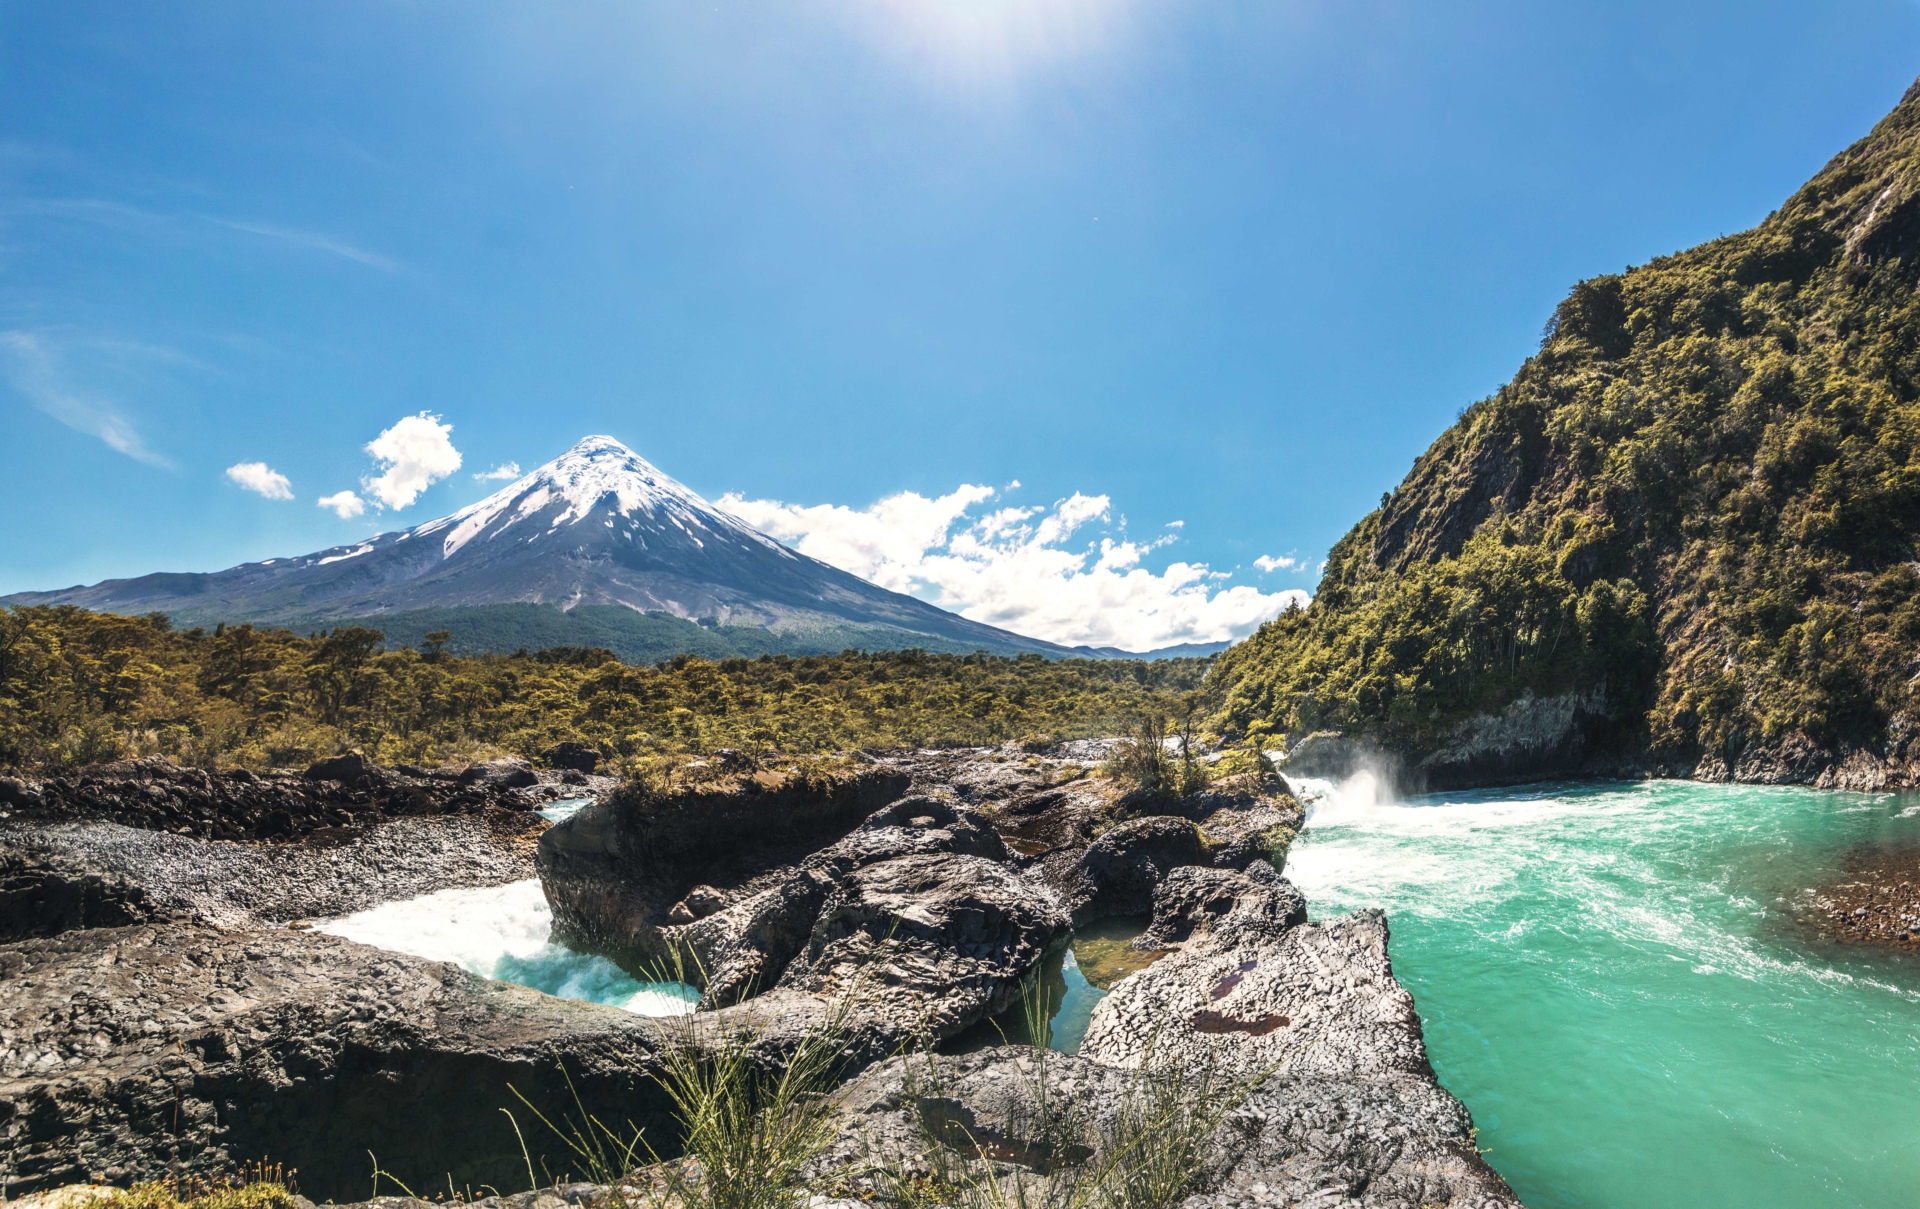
pixel 1680 540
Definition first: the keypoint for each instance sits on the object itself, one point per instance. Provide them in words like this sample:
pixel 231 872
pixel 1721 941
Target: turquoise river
pixel 1614 978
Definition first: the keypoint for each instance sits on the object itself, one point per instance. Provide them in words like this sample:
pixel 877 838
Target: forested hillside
pixel 1687 524
pixel 80 687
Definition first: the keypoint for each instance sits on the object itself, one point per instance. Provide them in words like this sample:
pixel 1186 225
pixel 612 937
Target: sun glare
pixel 989 42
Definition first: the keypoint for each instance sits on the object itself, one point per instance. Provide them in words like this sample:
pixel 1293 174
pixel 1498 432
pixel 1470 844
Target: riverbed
pixel 1618 982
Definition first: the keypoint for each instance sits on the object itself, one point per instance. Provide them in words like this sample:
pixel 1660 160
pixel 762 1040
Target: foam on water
pixel 1613 979
pixel 501 932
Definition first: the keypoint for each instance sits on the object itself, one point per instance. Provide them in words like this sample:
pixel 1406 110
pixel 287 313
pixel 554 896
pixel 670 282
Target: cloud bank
pixel 257 478
pixel 415 454
pixel 1012 567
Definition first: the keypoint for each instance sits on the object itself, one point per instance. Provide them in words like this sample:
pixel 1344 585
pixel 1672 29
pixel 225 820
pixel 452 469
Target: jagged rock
pixel 131 1051
pixel 747 945
pixel 45 897
pixel 932 942
pixel 333 799
pixel 1119 872
pixel 1351 1103
pixel 1198 902
pixel 614 871
pixel 254 885
pixel 509 773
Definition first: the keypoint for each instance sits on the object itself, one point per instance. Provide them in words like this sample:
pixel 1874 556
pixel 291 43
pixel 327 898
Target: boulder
pixel 578 757
pixel 509 773
pixel 1345 1101
pixel 932 942
pixel 349 769
pixel 1119 872
pixel 1194 902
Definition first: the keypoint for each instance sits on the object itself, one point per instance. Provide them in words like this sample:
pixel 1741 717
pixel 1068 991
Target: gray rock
pixel 1118 873
pixel 255 885
pixel 614 872
pixel 128 1051
pixel 45 896
pixel 931 943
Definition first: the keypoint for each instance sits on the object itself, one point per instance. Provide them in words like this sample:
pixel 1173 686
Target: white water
pixel 502 932
pixel 1615 979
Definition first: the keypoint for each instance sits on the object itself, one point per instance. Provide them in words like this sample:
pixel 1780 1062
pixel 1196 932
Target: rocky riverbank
pixel 1875 901
pixel 161 1021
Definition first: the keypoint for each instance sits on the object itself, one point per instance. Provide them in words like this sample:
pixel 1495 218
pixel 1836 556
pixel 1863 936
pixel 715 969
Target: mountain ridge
pixel 598 525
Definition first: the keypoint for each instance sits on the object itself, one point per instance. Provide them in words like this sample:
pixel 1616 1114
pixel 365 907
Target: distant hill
pixel 595 548
pixel 1682 539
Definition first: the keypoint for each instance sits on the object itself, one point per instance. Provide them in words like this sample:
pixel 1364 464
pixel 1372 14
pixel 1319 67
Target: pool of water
pixel 1073 978
pixel 501 932
pixel 1614 980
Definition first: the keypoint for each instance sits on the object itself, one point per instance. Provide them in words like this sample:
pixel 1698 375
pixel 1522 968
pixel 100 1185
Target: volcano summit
pixel 598 526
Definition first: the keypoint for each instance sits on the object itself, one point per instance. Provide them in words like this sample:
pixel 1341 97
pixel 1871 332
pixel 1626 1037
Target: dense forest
pixel 81 687
pixel 1694 510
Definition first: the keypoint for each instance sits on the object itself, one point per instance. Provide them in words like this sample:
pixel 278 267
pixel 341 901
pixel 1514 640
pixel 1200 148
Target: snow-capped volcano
pixel 598 525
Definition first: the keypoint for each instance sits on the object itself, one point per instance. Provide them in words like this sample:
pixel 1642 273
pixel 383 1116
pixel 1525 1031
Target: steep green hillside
pixel 1682 537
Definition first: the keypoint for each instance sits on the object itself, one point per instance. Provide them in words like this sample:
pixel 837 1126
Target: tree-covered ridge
pixel 1697 503
pixel 79 687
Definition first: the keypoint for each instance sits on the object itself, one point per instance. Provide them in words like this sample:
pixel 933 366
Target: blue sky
pixel 1228 264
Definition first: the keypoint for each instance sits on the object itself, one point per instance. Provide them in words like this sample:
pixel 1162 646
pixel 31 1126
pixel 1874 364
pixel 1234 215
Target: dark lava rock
pixel 254 885
pixel 333 797
pixel 614 872
pixel 1194 902
pixel 350 769
pixel 576 756
pixel 40 896
pixel 130 1051
pixel 1119 872
pixel 932 942
pixel 509 773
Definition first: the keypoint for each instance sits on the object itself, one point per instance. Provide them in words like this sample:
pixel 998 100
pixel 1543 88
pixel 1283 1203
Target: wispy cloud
pixel 33 363
pixel 261 480
pixel 500 473
pixel 1268 563
pixel 1023 568
pixel 316 240
pixel 183 225
pixel 345 504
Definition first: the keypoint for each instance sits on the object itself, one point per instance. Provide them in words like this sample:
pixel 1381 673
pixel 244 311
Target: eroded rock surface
pixel 1348 1110
pixel 126 1051
pixel 252 885
pixel 331 800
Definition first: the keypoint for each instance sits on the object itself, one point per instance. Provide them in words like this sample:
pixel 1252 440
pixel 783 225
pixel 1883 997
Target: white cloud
pixel 415 453
pixel 1010 567
pixel 32 363
pixel 502 472
pixel 1266 563
pixel 345 504
pixel 257 478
